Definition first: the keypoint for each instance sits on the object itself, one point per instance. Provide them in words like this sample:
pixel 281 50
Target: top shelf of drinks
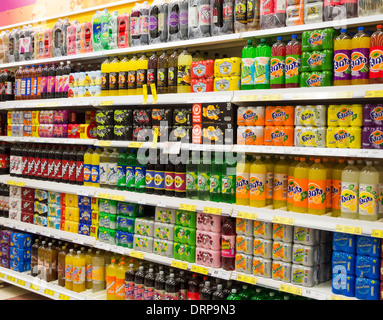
pixel 168 21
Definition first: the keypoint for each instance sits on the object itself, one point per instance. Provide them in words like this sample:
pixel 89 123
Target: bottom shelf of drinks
pixel 301 261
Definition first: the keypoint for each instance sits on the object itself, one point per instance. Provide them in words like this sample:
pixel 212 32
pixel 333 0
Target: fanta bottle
pixel 88 167
pixel 329 167
pixel 359 58
pixel 111 272
pixel 269 180
pixel 96 167
pixel 69 270
pixel 247 69
pixel 301 175
pixel 342 59
pixel 242 181
pixel 368 192
pixel 376 56
pixel 293 63
pixel 258 183
pixel 336 187
pixel 79 272
pixel 317 189
pixel 281 169
pixel 378 166
pixel 277 64
pixel 350 191
pixel 262 65
pixel 291 183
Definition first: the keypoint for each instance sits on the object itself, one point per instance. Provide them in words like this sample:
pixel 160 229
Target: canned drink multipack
pixel 316 79
pixel 313 12
pixel 279 136
pixel 322 39
pixel 310 136
pixel 251 116
pixel 344 137
pixel 279 115
pixel 372 115
pixel 251 135
pixel 345 115
pixel 294 14
pixel 372 138
pixel 227 83
pixel 310 115
pixel 317 60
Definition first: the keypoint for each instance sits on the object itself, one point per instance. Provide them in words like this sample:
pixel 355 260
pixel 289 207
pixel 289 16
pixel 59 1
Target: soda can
pixel 303 79
pixel 372 138
pixel 373 115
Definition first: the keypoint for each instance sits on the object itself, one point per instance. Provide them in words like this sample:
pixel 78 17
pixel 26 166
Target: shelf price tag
pixel 248 97
pixel 21 282
pixel 10 278
pixel 145 93
pixel 199 269
pixel 283 220
pixel 377 233
pixel 188 207
pixel 348 229
pixel 247 215
pixel 63 297
pixel 136 254
pixel 34 287
pixel 135 144
pixel 11 183
pixel 210 210
pixel 118 197
pixel 49 292
pixel 104 195
pixel 340 95
pixel 179 264
pixel 374 94
pixel 271 97
pixel 155 138
pixel 154 92
pixel 247 279
pixel 106 103
pixel 290 289
pixel 103 143
pixel 335 297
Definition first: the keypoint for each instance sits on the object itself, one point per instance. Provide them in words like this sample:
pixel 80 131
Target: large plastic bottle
pixel 79 272
pixel 139 283
pixel 98 272
pixel 300 192
pixel 258 183
pixel 131 170
pixel 88 268
pixel 248 67
pixel 121 170
pixel 129 282
pixel 360 57
pixel 69 270
pixel 111 272
pixel 329 168
pixel 350 191
pixel 158 18
pixel 342 59
pixel 105 69
pixel 112 169
pixel 293 62
pixel 120 281
pixel 96 167
pixel 184 72
pixel 277 64
pixel 114 67
pixel 262 65
pixel 216 177
pixel 243 181
pixel 104 164
pixel 105 26
pixel 280 187
pixel 228 244
pixel 204 172
pixel 88 167
pixel 369 193
pixel 96 22
pixel 142 70
pixel 336 187
pixel 123 73
pixel 229 179
pixel 173 72
pixel 317 189
pixel 376 55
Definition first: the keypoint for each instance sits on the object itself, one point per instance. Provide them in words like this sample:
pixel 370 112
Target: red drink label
pixel 79 171
pixel 65 170
pixel 72 171
pixel 228 246
pixel 376 62
pixel 44 168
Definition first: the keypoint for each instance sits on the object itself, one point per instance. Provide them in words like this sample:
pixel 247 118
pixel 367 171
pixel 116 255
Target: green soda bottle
pixel 247 68
pixel 216 178
pixel 245 293
pixel 204 170
pixel 233 295
pixel 130 171
pixel 121 170
pixel 140 173
pixel 229 172
pixel 192 176
pixel 262 65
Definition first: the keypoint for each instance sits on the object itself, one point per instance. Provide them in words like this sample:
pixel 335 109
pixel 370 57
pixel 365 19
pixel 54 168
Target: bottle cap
pixel 294 36
pixel 343 30
pixel 379 26
pixel 361 29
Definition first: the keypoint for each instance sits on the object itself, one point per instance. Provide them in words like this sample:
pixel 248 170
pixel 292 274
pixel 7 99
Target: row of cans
pixel 266 135
pixel 270 115
pixel 81 131
pixel 42 117
pixel 81 92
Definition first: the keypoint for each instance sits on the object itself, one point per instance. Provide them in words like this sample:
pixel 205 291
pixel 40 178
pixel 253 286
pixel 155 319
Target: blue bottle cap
pixel 279 38
pixel 343 30
pixel 361 29
pixel 294 36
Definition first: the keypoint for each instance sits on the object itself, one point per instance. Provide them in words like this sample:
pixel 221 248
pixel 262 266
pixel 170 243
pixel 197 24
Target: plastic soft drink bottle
pixel 111 272
pixel 192 176
pixel 140 173
pixel 328 166
pixel 184 73
pixel 114 67
pixel 300 191
pixel 105 26
pixel 206 292
pixel 88 268
pixel 121 170
pixel 149 285
pixel 105 69
pixel 112 169
pixel 98 272
pixel 317 189
pixel 123 77
pixel 139 284
pixel 248 67
pixel 350 191
pixel 173 72
pixel 229 168
pixel 69 269
pixel 228 244
pixel 120 281
pixel 243 181
pixel 171 292
pixel 368 193
pixel 342 59
pixel 113 30
pixel 51 90
pixel 376 56
pixel 79 272
pixel 280 184
pixel 336 187
pixel 129 282
pixel 262 65
pixel 104 163
pixel 277 64
pixel 141 75
pixel 131 171
pixel 291 183
pixel 293 63
pixel 152 71
pixel 233 295
pixel 258 183
pixel 159 286
pixel 96 167
pixel 88 167
pixel 216 178
pixel 360 53
pixel 204 172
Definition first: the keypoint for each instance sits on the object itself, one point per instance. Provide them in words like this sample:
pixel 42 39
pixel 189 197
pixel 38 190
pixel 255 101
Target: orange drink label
pixel 258 266
pixel 280 187
pixel 242 187
pixel 300 193
pixel 317 194
pixel 259 228
pixel 290 189
pixel 257 186
pixel 258 247
pixel 336 187
pixel 278 250
pixel 328 194
pixel 269 185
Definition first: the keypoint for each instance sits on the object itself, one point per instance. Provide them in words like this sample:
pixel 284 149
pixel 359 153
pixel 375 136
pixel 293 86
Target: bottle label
pixel 317 194
pixel 132 84
pixel 162 77
pixel 103 172
pixel 215 183
pixel 336 186
pixel 134 26
pixel 240 11
pixel 203 181
pixel 277 70
pixel 368 200
pixel 129 290
pixel 159 180
pixel 151 76
pixel 190 181
pixel 300 192
pixel 228 182
pixel 180 182
pixel 120 288
pixel 193 17
pixel 51 85
pixel 228 246
pixel 257 186
pixel 182 294
pixel 95 174
pixel 242 186
pixel 269 185
pixel 153 23
pixel 183 18
pixel 342 65
pixel 87 173
pixel 204 15
pixel 68 272
pixel 248 71
pixel 139 177
pixel 159 294
pixel 78 275
pixel 173 19
pixel 376 62
pixel 130 176
pixel 88 272
pixel 149 293
pixel 80 172
pixel 123 80
pixel 349 197
pixel 280 187
pixel 293 67
pixel 359 63
pixel 169 181
pixel 172 76
pixel 171 296
pixel 149 179
pixel 105 81
pixel 184 75
pixel 141 78
pixel 138 292
pixel 193 296
pixel 110 285
pixel 144 24
pixel 121 175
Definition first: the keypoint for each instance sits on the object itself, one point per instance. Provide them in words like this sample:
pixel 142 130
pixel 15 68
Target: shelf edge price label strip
pixel 211 210
pixel 188 207
pixel 179 264
pixel 283 220
pixel 348 229
pixel 377 233
pixel 103 195
pixel 198 269
pixel 290 289
pixel 247 215
pixel 63 297
pixel 271 97
pixel 106 103
pixel 49 292
pixel 374 94
pixel 135 144
pixel 104 143
pixel 117 197
pixel 34 287
pixel 246 278
pixel 138 255
pixel 21 282
pixel 248 97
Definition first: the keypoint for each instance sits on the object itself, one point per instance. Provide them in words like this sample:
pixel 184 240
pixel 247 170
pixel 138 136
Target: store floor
pixel 11 292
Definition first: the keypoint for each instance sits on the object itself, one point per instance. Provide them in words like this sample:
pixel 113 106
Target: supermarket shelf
pixel 326 222
pixel 47 289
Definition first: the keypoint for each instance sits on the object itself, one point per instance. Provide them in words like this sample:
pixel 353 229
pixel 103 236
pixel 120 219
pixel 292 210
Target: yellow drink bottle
pixel 329 168
pixel 123 76
pixel 368 192
pixel 120 281
pixel 88 167
pixel 79 272
pixel 242 182
pixel 113 76
pixel 88 268
pixel 350 191
pixel 336 187
pixel 301 176
pixel 378 166
pixel 269 180
pixel 69 270
pixel 258 183
pixel 98 272
pixel 105 78
pixel 111 272
pixel 132 75
pixel 360 47
pixel 317 189
pixel 96 167
pixel 142 70
pixel 281 169
pixel 342 52
pixel 290 183
pixel 184 72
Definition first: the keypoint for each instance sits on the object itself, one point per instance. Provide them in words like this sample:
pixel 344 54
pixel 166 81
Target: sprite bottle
pixel 121 170
pixel 130 171
pixel 229 168
pixel 140 173
pixel 216 178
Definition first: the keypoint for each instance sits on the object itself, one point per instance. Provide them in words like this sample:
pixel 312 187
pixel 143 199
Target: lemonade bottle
pixel 242 181
pixel 360 54
pixel 378 166
pixel 69 270
pixel 281 169
pixel 247 69
pixel 123 71
pixel 328 167
pixel 111 272
pixel 258 183
pixel 96 167
pixel 269 180
pixel 105 69
pixel 336 187
pixel 368 193
pixel 290 183
pixel 79 272
pixel 184 73
pixel 301 175
pixel 132 75
pixel 88 167
pixel 342 59
pixel 317 189
pixel 350 191
pixel 262 65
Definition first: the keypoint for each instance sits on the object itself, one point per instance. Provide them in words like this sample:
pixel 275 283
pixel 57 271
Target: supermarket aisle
pixel 11 292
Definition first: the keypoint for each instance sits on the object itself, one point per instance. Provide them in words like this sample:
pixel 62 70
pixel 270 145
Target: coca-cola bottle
pixel 80 165
pixel 45 163
pixel 37 165
pixel 65 165
pixel 72 165
pixel 51 163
